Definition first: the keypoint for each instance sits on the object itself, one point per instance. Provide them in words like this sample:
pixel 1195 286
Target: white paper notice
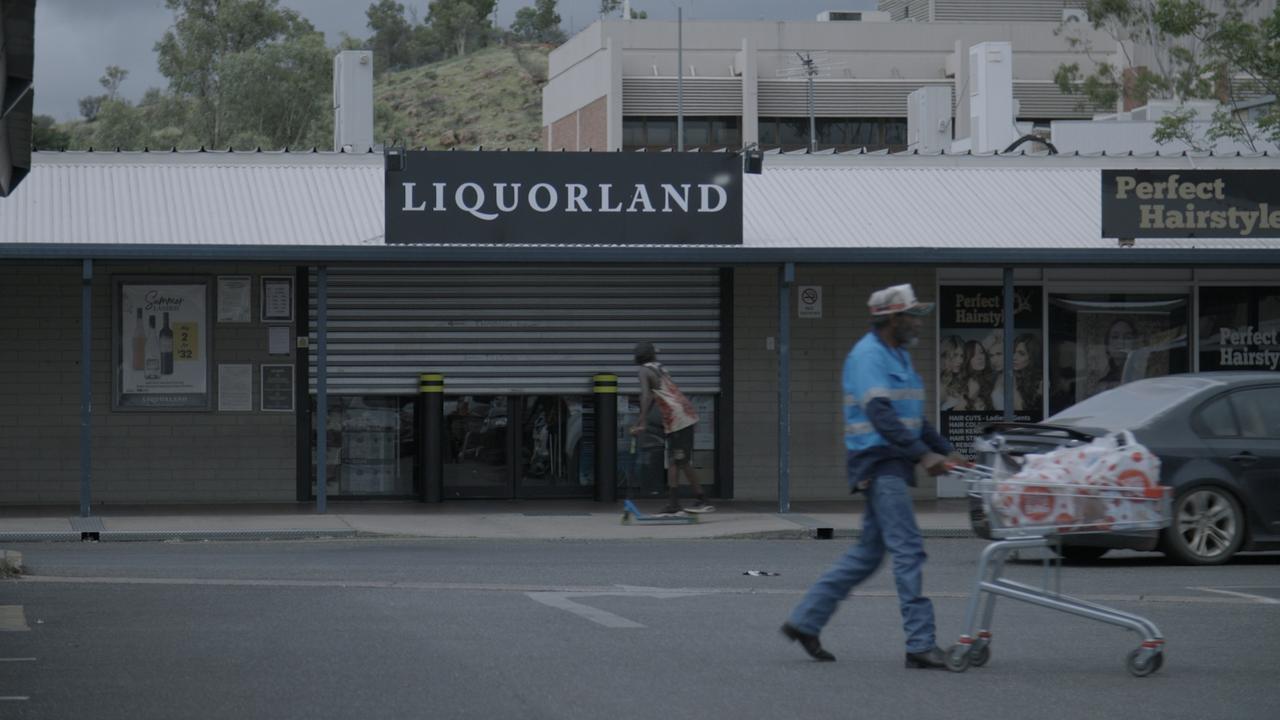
pixel 233 298
pixel 278 339
pixel 235 387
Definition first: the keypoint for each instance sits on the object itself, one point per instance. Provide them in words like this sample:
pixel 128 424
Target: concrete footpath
pixel 506 520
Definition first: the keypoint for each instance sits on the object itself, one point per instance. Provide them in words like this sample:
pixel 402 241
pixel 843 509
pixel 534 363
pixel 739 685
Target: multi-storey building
pixel 616 85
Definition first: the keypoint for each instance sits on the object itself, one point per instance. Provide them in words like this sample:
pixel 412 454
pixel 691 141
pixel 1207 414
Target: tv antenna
pixel 810 65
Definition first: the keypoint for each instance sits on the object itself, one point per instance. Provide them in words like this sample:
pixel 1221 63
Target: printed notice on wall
pixel 234 292
pixel 277 388
pixel 235 387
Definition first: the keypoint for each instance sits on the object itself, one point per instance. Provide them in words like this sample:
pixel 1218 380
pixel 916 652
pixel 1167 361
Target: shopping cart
pixel 1021 515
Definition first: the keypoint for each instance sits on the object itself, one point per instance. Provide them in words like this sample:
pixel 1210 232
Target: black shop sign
pixel 563 198
pixel 1190 203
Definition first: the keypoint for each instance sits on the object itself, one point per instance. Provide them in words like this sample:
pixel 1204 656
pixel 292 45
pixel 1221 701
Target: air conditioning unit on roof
pixel 853 16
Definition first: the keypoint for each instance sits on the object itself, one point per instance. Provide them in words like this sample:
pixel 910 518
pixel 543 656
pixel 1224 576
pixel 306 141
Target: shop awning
pixel 327 207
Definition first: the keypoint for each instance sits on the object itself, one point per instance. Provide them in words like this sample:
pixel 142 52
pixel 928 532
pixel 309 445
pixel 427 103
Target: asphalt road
pixel 674 629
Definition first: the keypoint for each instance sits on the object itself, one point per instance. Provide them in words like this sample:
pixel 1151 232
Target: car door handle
pixel 1245 458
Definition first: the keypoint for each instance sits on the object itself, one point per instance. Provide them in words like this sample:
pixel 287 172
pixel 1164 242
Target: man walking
pixel 678 418
pixel 885 437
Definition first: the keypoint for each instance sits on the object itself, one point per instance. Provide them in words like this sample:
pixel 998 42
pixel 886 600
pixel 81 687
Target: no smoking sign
pixel 810 301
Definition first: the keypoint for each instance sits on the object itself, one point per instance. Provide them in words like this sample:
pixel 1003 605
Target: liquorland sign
pixel 563 198
pixel 1192 203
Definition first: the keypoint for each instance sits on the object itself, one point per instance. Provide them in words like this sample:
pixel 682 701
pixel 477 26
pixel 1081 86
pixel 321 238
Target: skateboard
pixel 632 514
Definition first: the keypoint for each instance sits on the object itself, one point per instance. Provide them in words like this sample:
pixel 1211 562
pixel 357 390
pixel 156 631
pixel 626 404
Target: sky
pixel 77 39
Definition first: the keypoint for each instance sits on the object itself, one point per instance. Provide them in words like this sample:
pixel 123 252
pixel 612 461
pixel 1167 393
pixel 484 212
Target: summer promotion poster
pixel 971 359
pixel 163 346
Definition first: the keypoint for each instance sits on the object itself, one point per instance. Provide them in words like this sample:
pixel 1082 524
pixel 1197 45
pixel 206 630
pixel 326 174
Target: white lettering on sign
pixel 474 198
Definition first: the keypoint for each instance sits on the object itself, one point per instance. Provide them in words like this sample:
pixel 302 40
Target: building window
pixel 842 134
pixel 700 132
pixel 1239 328
pixel 1097 342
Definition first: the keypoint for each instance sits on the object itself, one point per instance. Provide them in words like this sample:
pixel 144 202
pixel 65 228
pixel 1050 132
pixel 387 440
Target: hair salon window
pixel 1239 328
pixel 1099 341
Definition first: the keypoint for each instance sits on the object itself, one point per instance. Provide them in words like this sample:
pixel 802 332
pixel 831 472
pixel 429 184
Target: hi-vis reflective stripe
pixel 864 428
pixel 431 383
pixel 899 394
pixel 605 384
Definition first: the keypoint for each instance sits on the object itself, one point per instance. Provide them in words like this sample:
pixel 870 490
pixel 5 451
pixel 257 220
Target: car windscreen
pixel 1129 406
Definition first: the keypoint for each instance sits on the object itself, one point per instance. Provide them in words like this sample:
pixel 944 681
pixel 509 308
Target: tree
pixel 609 7
pixel 462 23
pixel 112 79
pixel 392 36
pixel 540 23
pixel 90 105
pixel 46 135
pixel 1180 50
pixel 205 37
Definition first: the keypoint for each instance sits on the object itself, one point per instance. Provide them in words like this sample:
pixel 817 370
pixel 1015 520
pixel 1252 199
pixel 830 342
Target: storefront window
pixel 1097 342
pixel 1239 328
pixel 371 446
pixel 971 359
pixel 557 452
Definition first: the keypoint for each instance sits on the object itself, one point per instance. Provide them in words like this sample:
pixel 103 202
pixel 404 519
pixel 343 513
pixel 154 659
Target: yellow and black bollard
pixel 605 387
pixel 431 437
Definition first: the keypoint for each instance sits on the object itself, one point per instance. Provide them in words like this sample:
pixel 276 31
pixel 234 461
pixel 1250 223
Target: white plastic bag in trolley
pixel 1112 480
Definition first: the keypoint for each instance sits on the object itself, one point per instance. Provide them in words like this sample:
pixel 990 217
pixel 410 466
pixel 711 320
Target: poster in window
pixel 1239 328
pixel 161 342
pixel 971 359
pixel 1099 342
pixel 277 298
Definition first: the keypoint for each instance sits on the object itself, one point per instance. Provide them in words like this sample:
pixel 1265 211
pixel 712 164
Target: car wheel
pixel 1081 553
pixel 1207 526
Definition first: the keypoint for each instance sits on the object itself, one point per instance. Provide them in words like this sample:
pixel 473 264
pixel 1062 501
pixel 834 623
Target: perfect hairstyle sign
pixel 1190 203
pixel 563 198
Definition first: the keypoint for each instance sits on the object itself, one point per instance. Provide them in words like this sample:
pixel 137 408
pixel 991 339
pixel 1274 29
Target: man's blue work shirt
pixel 884 413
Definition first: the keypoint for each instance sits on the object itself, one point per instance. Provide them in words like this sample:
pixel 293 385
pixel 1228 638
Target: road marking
pixel 561 601
pixel 1105 598
pixel 17 659
pixel 12 619
pixel 1263 599
pixel 18 698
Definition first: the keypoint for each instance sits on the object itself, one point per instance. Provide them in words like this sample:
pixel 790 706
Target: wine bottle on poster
pixel 166 348
pixel 152 362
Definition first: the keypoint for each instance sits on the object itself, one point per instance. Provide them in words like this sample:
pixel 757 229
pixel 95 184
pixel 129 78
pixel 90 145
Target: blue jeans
pixel 888 524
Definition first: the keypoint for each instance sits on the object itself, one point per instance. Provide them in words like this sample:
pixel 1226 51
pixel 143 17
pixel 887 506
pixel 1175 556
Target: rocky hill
pixel 492 97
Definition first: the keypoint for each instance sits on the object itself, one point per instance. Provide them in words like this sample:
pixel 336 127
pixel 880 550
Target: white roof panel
pixel 333 199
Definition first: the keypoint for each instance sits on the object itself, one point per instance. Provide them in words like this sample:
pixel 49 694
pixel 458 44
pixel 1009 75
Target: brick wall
pixel 153 457
pixel 818 349
pixel 586 128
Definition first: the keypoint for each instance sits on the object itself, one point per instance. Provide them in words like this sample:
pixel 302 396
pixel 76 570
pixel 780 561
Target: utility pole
pixel 810 70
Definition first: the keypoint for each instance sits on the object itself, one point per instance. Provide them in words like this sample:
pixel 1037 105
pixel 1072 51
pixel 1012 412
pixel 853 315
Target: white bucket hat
pixel 897 299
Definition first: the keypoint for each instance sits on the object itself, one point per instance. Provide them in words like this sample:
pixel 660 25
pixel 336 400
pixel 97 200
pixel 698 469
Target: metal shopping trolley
pixel 1025 510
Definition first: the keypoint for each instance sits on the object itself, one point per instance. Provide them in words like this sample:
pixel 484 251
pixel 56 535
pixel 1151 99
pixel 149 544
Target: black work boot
pixel 932 659
pixel 809 642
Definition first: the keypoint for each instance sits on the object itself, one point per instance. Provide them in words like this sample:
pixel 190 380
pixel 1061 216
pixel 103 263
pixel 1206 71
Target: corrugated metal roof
pixel 268 200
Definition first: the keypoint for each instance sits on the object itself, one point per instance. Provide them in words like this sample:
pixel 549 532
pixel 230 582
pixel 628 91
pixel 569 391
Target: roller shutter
pixel 521 330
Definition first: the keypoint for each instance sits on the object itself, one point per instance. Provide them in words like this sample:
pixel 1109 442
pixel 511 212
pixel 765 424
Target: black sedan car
pixel 1217 435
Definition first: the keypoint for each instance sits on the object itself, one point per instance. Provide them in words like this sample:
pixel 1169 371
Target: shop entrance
pixel 518 446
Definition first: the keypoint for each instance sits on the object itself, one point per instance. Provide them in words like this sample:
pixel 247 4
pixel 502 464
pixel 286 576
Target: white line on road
pixel 560 600
pixel 1105 598
pixel 1263 599
pixel 17 698
pixel 17 659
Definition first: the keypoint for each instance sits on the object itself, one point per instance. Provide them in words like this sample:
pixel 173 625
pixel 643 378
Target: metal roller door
pixel 519 330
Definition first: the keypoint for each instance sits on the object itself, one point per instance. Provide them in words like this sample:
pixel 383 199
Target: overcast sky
pixel 77 39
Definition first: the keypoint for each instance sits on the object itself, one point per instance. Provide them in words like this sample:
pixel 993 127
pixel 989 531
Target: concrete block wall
pixel 137 457
pixel 818 349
